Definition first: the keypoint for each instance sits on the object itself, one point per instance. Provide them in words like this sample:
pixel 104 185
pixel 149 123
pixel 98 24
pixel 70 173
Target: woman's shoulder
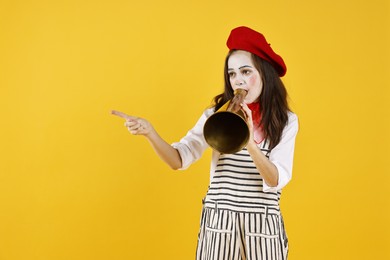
pixel 205 115
pixel 292 121
pixel 208 111
pixel 292 116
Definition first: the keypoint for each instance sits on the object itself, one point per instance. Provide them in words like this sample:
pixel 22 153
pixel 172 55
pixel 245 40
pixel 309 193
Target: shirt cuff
pixel 283 179
pixel 184 152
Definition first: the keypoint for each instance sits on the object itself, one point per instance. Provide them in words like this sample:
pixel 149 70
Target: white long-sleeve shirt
pixel 192 146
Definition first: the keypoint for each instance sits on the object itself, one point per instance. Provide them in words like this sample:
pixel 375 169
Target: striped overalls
pixel 239 220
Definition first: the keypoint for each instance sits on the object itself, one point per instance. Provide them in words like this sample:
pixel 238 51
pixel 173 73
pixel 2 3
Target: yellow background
pixel 74 184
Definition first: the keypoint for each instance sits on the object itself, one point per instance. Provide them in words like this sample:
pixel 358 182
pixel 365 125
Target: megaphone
pixel 227 130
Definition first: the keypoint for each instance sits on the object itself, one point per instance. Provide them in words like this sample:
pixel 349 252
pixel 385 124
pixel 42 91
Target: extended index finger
pixel 122 115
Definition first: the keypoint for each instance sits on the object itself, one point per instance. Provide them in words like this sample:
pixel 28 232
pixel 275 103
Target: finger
pixel 122 115
pixel 132 124
pixel 248 112
pixel 133 132
pixel 136 130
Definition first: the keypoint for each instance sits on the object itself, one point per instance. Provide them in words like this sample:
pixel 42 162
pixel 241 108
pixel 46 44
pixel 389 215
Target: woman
pixel 241 216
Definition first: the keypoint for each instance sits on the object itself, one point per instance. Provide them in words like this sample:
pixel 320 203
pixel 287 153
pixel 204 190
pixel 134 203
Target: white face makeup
pixel 243 74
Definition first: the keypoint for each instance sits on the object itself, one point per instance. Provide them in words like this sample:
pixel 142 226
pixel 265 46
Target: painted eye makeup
pixel 231 74
pixel 246 72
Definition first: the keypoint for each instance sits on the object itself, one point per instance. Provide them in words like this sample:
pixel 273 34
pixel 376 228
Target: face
pixel 243 74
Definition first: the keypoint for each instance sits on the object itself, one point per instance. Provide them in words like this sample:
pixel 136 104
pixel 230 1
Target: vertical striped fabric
pixel 239 220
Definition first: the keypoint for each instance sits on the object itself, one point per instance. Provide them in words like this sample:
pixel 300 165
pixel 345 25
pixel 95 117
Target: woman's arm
pixel 277 170
pixel 164 150
pixel 140 126
pixel 267 169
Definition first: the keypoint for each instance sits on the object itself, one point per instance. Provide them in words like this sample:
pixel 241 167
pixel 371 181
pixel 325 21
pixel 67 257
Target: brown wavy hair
pixel 273 99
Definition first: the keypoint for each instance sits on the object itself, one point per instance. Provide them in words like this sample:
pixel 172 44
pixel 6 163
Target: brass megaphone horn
pixel 227 130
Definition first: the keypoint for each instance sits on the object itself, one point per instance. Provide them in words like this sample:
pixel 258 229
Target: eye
pixel 231 74
pixel 246 72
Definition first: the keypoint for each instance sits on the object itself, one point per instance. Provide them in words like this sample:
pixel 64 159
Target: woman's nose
pixel 239 82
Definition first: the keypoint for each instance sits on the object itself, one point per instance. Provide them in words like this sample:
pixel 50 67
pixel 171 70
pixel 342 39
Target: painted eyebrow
pixel 245 66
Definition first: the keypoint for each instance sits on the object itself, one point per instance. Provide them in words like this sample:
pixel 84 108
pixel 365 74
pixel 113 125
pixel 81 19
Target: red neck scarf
pixel 258 134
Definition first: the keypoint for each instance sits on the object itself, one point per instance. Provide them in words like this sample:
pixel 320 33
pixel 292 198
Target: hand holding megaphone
pixel 237 100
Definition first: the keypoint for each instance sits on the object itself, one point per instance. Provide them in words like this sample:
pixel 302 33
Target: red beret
pixel 246 39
